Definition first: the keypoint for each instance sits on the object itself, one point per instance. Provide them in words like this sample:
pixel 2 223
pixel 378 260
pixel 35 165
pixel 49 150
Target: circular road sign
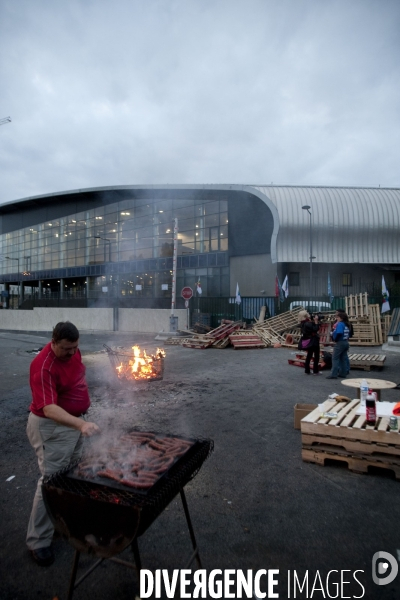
pixel 187 293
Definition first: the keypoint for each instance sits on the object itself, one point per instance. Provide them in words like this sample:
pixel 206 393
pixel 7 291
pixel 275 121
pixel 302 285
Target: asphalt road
pixel 254 505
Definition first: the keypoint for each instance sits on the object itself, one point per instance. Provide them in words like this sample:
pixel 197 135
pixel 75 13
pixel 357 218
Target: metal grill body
pixel 103 520
pixel 100 519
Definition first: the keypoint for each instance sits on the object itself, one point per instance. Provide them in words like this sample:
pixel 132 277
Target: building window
pixel 294 279
pixel 347 279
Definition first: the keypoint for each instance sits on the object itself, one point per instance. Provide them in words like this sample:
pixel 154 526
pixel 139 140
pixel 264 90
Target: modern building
pixel 113 245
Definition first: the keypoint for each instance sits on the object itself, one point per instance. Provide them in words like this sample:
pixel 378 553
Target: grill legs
pixel 195 554
pixel 136 555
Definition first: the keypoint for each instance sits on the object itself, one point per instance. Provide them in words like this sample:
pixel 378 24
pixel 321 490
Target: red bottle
pixel 370 408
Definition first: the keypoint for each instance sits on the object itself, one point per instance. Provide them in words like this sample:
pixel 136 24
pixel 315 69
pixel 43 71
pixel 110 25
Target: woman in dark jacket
pixel 309 331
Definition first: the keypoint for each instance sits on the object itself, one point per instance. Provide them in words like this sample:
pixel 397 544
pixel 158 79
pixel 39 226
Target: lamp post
pixel 308 209
pixel 19 281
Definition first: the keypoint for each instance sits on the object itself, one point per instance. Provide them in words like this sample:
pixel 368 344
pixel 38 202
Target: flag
pixel 331 296
pixel 285 286
pixel 198 288
pixel 278 290
pixel 238 298
pixel 385 296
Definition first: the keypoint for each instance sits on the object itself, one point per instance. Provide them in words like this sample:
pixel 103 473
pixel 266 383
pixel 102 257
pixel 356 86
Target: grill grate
pixel 99 495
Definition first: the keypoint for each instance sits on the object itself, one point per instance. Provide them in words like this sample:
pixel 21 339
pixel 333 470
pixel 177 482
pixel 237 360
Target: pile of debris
pixel 283 330
pixel 228 333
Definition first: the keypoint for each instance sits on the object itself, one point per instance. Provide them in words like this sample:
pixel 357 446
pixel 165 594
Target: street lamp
pixel 308 209
pixel 98 237
pixel 19 282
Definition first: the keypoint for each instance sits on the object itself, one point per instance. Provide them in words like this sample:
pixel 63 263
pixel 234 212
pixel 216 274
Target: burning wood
pixel 141 366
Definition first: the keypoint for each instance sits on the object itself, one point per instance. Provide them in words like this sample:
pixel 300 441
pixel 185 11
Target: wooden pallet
pixel 354 447
pixel 279 324
pixel 224 330
pixel 347 438
pixel 198 343
pixel 302 363
pixel 366 361
pixel 222 343
pixel 355 464
pixel 246 340
pixel 325 333
pixel 172 341
pixel 357 305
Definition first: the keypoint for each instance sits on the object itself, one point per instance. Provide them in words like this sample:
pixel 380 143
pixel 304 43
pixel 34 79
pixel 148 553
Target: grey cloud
pixel 105 93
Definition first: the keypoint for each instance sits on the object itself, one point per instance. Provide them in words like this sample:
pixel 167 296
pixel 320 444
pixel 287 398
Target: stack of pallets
pixel 347 438
pixel 217 338
pixel 246 339
pixel 368 329
pixel 274 330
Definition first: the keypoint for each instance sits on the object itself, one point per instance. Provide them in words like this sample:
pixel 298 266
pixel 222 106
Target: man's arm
pixel 59 415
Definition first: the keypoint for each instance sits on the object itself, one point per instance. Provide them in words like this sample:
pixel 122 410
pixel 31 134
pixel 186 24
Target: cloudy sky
pixel 118 92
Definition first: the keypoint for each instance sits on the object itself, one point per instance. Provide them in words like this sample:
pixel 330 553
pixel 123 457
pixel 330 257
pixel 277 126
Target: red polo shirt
pixel 54 381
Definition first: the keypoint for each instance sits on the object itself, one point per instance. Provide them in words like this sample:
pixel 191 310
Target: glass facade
pixel 124 248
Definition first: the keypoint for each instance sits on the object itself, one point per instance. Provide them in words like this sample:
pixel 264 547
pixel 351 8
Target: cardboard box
pixel 301 411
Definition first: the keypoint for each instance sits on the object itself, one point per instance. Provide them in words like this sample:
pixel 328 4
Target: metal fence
pixel 210 311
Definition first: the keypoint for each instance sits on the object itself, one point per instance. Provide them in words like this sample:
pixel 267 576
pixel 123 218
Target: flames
pixel 142 366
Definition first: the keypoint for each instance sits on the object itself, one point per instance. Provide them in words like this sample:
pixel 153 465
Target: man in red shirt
pixel 56 424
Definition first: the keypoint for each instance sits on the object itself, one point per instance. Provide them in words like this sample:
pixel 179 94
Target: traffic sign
pixel 187 293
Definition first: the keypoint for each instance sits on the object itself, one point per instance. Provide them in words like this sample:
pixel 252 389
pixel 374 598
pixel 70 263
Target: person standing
pixel 56 424
pixel 340 336
pixel 309 333
pixel 351 333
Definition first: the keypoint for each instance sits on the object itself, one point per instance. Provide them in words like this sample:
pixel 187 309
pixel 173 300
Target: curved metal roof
pixel 349 225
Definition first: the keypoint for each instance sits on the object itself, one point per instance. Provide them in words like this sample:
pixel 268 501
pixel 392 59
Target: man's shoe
pixel 44 557
pixel 330 377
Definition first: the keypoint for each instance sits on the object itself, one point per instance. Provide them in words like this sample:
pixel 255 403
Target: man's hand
pixel 88 429
pixel 59 415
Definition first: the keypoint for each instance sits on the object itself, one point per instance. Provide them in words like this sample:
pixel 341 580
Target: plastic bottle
pixel 370 408
pixel 363 392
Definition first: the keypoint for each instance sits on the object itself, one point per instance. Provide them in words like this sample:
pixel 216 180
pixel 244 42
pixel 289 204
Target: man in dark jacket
pixel 310 338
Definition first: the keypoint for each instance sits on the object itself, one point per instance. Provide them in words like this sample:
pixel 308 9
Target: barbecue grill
pixel 122 358
pixel 103 518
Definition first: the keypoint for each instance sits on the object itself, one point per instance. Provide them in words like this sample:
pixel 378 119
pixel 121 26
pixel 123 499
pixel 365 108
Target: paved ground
pixel 254 505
